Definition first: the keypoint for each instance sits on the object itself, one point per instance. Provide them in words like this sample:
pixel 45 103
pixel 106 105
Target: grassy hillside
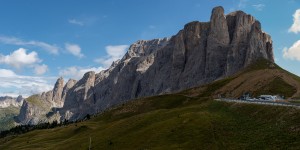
pixel 173 122
pixel 35 100
pixel 6 117
pixel 187 120
pixel 262 78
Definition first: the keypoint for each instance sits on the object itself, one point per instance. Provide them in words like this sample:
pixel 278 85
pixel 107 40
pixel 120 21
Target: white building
pixel 267 98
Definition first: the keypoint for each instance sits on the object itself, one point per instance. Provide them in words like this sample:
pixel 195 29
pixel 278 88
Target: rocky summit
pixel 200 53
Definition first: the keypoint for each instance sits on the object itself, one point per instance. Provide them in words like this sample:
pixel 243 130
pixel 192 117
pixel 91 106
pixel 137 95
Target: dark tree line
pixel 21 129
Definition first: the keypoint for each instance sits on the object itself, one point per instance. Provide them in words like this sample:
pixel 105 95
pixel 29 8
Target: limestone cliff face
pixel 67 87
pixel 248 41
pixel 57 92
pixel 80 98
pixel 217 44
pixel 198 54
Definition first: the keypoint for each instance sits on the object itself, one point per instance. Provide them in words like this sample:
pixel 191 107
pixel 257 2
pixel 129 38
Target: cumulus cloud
pixel 293 52
pixel 12 84
pixel 40 69
pixel 16 41
pixel 20 58
pixel 77 73
pixel 6 73
pixel 295 28
pixel 114 52
pixel 259 7
pixel 74 49
pixel 76 22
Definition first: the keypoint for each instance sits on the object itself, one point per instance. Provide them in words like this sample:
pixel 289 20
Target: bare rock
pixel 79 98
pixel 217 44
pixel 57 92
pixel 67 87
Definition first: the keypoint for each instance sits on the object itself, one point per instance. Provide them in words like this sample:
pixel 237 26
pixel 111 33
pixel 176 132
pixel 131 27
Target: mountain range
pixel 8 101
pixel 198 54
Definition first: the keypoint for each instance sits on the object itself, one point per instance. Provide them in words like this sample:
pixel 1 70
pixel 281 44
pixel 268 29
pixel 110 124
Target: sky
pixel 43 40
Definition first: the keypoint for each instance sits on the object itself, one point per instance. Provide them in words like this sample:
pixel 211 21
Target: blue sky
pixel 42 40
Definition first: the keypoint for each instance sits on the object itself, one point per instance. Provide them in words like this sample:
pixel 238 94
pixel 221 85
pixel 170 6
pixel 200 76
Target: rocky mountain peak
pixel 19 98
pixel 80 93
pixel 218 26
pixel 145 47
pixel 67 87
pixel 70 83
pixel 57 92
pixel 217 11
pixel 88 78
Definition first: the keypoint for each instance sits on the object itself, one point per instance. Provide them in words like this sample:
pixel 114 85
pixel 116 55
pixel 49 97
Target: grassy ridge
pixel 277 86
pixel 34 100
pixel 174 121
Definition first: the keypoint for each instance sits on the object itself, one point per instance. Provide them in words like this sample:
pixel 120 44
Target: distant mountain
pixel 9 107
pixel 200 53
pixel 8 101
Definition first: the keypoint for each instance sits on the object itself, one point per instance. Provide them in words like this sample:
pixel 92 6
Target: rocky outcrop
pixel 40 107
pixel 198 54
pixel 33 110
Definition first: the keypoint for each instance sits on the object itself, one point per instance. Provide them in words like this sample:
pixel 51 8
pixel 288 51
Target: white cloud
pixel 20 58
pixel 40 69
pixel 293 52
pixel 114 52
pixel 74 49
pixel 12 84
pixel 6 73
pixel 259 7
pixel 295 28
pixel 16 41
pixel 77 72
pixel 76 22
